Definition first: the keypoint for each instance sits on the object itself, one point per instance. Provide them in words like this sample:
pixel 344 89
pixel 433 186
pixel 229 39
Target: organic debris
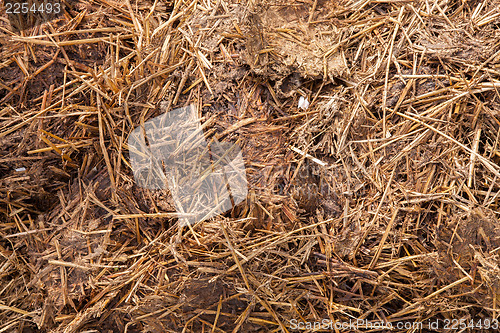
pixel 375 202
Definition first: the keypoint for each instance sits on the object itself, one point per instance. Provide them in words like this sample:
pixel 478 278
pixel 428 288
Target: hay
pixel 378 203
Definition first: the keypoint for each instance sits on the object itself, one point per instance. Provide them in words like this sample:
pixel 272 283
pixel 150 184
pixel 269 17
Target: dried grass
pixel 380 202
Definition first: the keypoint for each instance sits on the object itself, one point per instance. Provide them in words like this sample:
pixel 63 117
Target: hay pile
pixel 378 203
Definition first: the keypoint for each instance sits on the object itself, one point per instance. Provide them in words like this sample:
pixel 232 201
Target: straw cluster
pixel 378 202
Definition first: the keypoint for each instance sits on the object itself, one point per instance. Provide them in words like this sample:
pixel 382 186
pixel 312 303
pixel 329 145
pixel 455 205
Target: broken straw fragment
pixel 312 158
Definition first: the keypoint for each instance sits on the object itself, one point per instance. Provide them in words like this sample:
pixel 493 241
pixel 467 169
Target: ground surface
pixel 378 203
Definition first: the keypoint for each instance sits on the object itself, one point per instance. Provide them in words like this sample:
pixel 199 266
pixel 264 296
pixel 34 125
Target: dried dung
pixel 377 203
